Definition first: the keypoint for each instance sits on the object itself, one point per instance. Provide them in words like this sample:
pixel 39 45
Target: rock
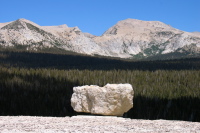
pixel 112 99
pixel 130 38
pixel 93 124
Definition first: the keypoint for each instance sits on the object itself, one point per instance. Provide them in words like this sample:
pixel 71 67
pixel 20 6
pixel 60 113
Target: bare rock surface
pixel 126 39
pixel 112 99
pixel 92 124
pixel 132 37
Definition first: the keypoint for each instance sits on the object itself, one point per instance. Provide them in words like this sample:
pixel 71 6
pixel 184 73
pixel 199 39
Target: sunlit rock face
pixel 112 99
pixel 137 38
pixel 130 38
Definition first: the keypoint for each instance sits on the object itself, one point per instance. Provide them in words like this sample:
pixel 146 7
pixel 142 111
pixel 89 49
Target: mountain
pixel 138 38
pixel 129 38
pixel 31 36
pixel 196 33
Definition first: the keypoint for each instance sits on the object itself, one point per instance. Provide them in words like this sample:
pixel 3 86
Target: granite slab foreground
pixel 92 124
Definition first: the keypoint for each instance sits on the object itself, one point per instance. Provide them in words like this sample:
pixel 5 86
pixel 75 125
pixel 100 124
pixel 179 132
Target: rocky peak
pixel 76 29
pixel 130 38
pixel 134 25
pixel 89 35
pixel 63 26
pixel 3 24
pixel 196 33
pixel 18 24
pixel 22 19
pixel 137 38
pixel 141 23
pixel 28 21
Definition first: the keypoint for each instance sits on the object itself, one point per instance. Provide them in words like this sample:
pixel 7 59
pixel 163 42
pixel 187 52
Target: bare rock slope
pixel 25 33
pixel 93 124
pixel 133 37
pixel 128 38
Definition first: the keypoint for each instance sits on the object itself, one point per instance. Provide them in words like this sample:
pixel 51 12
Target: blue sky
pixel 96 16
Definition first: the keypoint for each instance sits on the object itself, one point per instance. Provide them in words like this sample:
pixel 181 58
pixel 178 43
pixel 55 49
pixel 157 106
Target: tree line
pixel 41 84
pixel 28 59
pixel 161 94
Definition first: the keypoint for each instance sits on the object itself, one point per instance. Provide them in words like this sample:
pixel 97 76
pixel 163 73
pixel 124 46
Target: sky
pixel 97 16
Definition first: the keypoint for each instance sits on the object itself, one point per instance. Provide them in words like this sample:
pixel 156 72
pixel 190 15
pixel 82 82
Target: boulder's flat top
pixel 97 124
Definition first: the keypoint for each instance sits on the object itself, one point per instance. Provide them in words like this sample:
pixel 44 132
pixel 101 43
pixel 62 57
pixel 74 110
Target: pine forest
pixel 41 84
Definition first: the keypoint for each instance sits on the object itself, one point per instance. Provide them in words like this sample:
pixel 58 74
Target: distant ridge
pixel 130 38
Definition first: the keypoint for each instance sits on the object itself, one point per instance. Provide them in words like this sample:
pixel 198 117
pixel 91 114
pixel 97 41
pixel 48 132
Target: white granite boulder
pixel 112 99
